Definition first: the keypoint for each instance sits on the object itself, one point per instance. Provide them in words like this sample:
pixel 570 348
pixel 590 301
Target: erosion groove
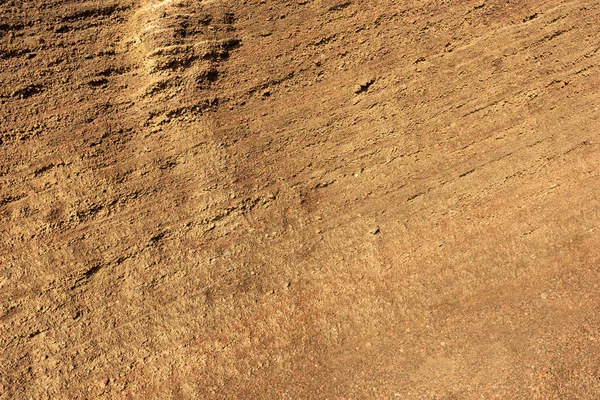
pixel 299 199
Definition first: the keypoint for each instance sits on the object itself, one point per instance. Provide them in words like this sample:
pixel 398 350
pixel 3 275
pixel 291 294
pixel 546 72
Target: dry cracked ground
pixel 299 199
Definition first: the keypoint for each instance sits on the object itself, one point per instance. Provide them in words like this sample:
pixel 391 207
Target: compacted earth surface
pixel 299 199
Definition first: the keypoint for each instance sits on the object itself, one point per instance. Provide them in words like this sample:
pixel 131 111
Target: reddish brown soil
pixel 308 199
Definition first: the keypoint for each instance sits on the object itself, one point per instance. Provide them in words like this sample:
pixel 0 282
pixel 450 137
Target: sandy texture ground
pixel 307 199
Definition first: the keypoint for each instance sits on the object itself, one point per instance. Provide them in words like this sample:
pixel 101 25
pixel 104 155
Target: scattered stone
pixel 363 85
pixel 375 230
pixel 544 296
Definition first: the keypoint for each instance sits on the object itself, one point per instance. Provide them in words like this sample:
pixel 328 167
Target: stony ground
pixel 308 199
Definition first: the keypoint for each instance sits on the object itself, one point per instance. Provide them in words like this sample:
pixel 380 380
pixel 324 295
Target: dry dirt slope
pixel 299 199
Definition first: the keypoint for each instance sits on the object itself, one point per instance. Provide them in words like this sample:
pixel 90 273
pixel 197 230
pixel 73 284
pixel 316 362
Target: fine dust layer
pixel 299 199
